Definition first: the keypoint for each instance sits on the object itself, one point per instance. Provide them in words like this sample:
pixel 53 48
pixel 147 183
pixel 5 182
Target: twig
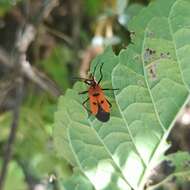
pixel 59 34
pixel 76 7
pixel 21 47
pixel 12 135
pixel 39 78
pixel 4 59
pixel 48 7
pixel 27 70
pixel 24 39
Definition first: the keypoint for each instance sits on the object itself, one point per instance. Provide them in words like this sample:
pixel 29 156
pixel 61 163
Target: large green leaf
pixel 77 182
pixel 152 75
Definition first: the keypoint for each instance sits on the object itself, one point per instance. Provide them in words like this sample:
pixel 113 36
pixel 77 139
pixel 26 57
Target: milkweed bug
pixel 99 104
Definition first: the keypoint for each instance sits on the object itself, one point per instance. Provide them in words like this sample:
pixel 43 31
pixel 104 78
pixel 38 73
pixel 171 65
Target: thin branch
pixel 25 36
pixel 12 135
pixel 31 73
pixel 49 6
pixel 39 78
pixel 59 34
pixel 76 7
pixel 4 58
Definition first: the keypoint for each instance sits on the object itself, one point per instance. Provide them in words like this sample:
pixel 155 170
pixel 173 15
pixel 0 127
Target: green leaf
pixel 15 178
pixel 134 9
pixel 77 182
pixel 153 81
pixel 129 12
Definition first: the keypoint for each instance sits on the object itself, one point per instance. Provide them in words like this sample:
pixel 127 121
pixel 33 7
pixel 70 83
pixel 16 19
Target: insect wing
pixel 102 115
pixel 100 108
pixel 103 109
pixel 103 103
pixel 93 105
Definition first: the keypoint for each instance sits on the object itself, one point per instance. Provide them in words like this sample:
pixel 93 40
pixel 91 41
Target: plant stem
pixel 12 135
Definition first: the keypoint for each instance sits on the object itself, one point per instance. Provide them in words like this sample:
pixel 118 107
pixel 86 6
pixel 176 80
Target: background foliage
pixel 69 35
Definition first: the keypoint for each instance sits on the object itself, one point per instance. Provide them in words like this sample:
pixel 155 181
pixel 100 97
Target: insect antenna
pixel 101 74
pixel 79 78
pixel 95 69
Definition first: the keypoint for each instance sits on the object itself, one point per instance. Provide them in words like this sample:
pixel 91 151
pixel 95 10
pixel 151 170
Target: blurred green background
pixel 68 35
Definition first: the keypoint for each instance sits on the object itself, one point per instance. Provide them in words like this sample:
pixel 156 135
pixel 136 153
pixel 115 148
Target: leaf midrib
pixel 103 144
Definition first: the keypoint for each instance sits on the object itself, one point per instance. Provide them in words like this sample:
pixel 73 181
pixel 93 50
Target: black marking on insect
pixel 102 115
pixel 96 94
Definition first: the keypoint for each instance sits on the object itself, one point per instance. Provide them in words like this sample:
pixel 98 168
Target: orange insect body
pixel 99 105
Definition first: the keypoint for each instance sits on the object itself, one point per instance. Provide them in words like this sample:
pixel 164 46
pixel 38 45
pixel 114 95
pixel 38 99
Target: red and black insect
pixel 99 104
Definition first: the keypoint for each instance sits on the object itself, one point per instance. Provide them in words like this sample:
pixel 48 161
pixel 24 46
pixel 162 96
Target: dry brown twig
pixel 21 67
pixel 26 68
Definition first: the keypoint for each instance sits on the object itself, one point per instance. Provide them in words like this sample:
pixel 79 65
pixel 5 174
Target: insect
pixel 99 104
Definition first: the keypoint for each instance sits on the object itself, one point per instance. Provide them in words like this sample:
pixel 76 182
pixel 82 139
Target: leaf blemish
pixel 148 54
pixel 152 71
pixel 187 164
pixel 150 34
pixel 132 35
pixel 165 55
pixel 141 83
pixel 136 57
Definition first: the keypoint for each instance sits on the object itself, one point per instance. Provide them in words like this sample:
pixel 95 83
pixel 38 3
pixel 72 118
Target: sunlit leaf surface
pixel 153 80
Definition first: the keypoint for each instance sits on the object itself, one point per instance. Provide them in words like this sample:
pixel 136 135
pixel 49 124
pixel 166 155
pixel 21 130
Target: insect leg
pixel 83 92
pixel 85 106
pixel 109 103
pixel 110 88
pixel 101 74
